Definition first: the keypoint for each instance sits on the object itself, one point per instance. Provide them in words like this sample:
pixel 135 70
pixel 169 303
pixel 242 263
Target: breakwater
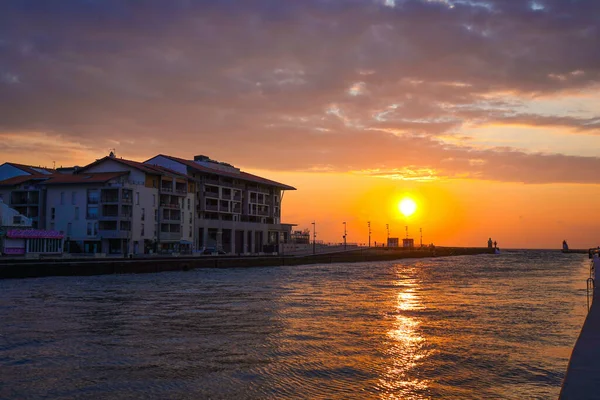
pixel 25 268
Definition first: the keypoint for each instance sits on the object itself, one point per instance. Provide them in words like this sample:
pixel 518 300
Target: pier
pixel 27 268
pixel 582 380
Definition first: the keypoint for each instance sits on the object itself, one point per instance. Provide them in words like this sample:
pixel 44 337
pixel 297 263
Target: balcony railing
pixel 174 206
pixel 211 208
pixel 170 236
pixel 166 189
pixel 110 199
pixel 113 234
pixel 211 194
pixel 182 192
pixel 169 219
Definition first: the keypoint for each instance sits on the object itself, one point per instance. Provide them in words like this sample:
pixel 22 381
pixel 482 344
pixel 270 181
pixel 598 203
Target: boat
pixel 565 247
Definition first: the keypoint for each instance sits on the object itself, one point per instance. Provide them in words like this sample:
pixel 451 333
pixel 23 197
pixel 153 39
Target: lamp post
pixel 421 232
pixel 344 235
pixel 314 224
pixel 406 227
pixel 369 225
pixel 387 227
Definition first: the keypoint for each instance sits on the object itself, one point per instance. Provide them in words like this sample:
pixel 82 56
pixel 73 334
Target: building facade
pixel 164 205
pixel 236 212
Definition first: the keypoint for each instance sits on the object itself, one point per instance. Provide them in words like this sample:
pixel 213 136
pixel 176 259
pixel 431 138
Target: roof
pixel 83 178
pixel 241 175
pixel 17 180
pixel 147 168
pixel 30 169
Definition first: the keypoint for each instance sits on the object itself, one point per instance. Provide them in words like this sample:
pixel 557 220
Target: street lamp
pixel 344 235
pixel 369 225
pixel 421 232
pixel 314 224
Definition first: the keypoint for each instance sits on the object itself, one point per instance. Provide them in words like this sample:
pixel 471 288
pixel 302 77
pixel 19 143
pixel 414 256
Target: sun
pixel 407 207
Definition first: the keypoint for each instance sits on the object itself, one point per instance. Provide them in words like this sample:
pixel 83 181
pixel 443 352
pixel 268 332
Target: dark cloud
pixel 354 85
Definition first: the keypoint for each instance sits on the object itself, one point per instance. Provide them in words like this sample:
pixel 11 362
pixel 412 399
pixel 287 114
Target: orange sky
pixel 450 212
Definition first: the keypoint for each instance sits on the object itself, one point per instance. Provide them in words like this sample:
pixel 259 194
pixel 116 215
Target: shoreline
pixel 33 268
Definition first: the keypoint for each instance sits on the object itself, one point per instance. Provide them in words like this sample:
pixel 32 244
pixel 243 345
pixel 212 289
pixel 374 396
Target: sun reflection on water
pixel 405 345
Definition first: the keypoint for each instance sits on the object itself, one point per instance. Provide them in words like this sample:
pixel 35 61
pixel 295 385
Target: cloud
pixel 315 85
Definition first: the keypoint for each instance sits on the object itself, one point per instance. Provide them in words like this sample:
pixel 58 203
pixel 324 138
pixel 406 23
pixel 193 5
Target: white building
pixel 148 209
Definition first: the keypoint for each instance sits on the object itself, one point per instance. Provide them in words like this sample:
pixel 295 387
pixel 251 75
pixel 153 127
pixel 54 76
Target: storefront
pixel 31 241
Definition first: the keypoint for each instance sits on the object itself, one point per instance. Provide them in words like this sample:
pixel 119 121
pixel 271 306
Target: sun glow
pixel 407 207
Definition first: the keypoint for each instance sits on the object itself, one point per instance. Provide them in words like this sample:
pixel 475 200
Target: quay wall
pixel 85 266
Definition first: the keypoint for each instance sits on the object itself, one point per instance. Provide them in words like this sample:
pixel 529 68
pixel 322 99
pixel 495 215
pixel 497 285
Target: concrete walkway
pixel 582 380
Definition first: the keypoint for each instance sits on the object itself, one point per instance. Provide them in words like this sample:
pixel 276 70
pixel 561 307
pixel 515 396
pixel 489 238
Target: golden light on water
pixel 407 207
pixel 406 346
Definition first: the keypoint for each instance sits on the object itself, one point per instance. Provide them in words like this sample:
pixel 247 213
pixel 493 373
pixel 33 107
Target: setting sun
pixel 407 207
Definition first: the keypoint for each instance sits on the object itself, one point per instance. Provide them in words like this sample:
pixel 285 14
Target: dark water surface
pixel 469 327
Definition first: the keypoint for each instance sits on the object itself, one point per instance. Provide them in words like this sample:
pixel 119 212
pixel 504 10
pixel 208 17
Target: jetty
pixel 33 268
pixel 582 380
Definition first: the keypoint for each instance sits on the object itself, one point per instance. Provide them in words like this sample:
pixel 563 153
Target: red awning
pixel 33 234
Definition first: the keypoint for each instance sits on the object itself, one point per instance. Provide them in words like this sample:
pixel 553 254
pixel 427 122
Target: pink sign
pixel 14 250
pixel 33 234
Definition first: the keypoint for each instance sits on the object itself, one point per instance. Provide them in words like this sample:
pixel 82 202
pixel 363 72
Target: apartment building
pixel 166 205
pixel 235 211
pixel 144 211
pixel 20 189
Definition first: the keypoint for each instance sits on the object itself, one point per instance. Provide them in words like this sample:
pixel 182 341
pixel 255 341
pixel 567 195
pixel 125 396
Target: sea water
pixel 469 327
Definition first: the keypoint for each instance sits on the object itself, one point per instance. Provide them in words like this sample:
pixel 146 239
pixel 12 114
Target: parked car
pixel 211 251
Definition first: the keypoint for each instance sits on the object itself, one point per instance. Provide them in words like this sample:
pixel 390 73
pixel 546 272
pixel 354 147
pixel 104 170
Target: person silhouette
pixel 490 243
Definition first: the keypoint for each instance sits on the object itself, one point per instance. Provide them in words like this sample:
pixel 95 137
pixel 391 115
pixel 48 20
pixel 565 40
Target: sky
pixel 485 112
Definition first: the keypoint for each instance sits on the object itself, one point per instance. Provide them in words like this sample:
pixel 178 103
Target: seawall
pixel 582 380
pixel 25 268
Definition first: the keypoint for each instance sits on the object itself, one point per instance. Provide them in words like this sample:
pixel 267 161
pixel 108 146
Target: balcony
pixel 181 192
pixel 223 209
pixel 171 219
pixel 113 234
pixel 170 236
pixel 174 206
pixel 211 207
pixel 109 199
pixel 166 189
pixel 212 195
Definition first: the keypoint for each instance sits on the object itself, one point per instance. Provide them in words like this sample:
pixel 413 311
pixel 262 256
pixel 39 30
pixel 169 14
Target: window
pixel 69 229
pixel 92 212
pixel 143 214
pixel 76 212
pixel 73 198
pixel 154 200
pixel 17 220
pixel 155 215
pixel 142 230
pixel 62 198
pixel 52 213
pixel 137 198
pixel 189 204
pixel 190 234
pixel 93 196
pixel 1 198
pixel 90 228
pixel 51 226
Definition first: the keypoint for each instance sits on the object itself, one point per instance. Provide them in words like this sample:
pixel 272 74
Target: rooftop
pixel 229 171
